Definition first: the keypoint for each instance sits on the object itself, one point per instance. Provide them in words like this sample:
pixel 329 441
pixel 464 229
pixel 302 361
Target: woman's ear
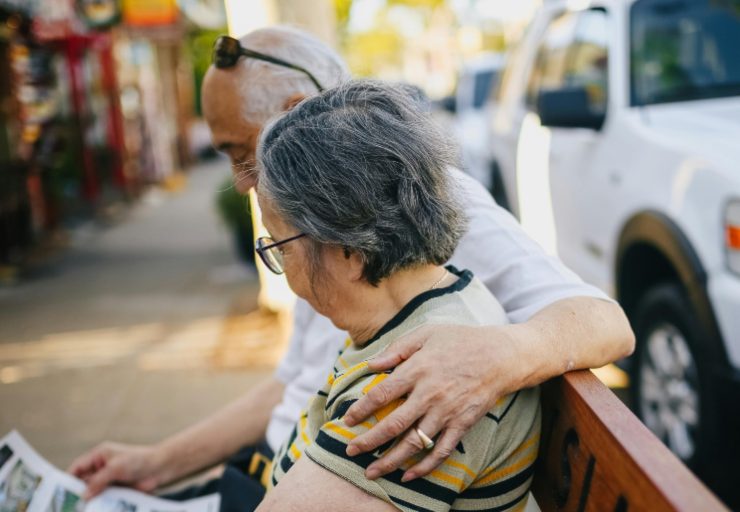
pixel 293 100
pixel 343 263
pixel 355 264
pixel 352 263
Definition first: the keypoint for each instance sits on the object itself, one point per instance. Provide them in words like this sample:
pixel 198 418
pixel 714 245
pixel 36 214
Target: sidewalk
pixel 136 330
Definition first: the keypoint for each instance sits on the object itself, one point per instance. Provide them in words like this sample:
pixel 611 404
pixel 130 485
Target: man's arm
pixel 460 372
pixel 243 422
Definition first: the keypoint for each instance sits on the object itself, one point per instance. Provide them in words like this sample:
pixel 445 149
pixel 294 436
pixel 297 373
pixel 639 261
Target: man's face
pixel 230 132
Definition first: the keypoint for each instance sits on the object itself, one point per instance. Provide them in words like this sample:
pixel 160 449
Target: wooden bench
pixel 596 455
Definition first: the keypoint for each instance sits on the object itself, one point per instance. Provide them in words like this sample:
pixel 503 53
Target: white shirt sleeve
pixel 314 346
pixel 290 365
pixel 514 267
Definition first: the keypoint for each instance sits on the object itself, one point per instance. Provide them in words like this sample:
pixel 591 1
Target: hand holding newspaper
pixel 28 483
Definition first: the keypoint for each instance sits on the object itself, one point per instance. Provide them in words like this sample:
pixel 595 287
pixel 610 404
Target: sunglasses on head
pixel 227 50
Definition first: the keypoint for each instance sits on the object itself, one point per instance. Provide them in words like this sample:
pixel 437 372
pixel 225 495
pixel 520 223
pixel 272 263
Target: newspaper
pixel 28 483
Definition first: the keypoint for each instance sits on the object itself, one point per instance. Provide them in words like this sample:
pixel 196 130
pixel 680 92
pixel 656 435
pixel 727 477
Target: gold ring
pixel 425 439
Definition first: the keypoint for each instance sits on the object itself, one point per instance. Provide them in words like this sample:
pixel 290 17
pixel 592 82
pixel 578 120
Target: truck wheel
pixel 669 387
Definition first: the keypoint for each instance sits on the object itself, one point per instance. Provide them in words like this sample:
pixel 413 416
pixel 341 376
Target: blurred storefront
pixel 155 75
pixel 95 102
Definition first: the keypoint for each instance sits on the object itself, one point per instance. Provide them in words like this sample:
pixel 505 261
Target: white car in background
pixel 469 111
pixel 617 136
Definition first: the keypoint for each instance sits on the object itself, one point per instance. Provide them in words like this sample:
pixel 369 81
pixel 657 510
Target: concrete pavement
pixel 136 330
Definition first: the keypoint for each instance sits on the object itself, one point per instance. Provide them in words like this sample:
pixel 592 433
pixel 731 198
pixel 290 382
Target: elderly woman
pixel 355 193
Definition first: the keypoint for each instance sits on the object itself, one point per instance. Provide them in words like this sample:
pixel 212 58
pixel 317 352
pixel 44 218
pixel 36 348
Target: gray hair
pixel 363 166
pixel 266 87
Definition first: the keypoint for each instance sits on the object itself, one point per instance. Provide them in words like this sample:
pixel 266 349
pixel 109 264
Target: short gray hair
pixel 266 87
pixel 363 166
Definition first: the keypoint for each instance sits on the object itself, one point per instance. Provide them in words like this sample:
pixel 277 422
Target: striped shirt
pixel 492 466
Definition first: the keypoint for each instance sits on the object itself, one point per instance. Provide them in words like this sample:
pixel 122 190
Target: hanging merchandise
pixel 34 82
pixel 36 90
pixel 16 225
pixel 99 14
pixel 61 130
pixel 54 20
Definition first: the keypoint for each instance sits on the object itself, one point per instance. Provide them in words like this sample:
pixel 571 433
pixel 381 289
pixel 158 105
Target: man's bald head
pixel 237 101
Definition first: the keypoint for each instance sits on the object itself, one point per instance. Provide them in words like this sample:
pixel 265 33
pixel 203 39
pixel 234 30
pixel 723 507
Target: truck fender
pixel 658 232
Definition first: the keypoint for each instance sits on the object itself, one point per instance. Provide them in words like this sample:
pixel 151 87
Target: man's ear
pixel 293 101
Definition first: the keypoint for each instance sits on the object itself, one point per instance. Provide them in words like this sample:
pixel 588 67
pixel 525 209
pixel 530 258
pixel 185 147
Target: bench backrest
pixel 596 455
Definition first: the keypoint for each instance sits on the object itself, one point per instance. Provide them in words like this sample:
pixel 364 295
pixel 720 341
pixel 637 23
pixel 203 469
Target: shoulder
pixel 347 383
pixel 506 473
pixel 494 239
pixel 483 304
pixel 468 302
pixel 514 419
pixel 509 409
pixel 469 186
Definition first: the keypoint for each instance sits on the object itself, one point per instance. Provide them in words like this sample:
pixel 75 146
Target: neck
pixel 370 308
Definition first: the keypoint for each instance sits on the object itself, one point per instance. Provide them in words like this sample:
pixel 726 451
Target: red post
pixel 75 48
pixel 115 117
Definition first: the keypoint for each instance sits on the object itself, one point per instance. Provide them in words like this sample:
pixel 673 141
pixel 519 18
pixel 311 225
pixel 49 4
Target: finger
pixel 81 465
pixel 147 485
pixel 390 427
pixel 393 387
pixel 445 444
pixel 88 463
pixel 100 480
pixel 408 446
pixel 400 351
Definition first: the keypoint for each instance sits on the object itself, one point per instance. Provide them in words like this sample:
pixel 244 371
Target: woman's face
pixel 326 292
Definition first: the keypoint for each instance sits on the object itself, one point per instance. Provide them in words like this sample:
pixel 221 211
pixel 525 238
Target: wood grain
pixel 596 455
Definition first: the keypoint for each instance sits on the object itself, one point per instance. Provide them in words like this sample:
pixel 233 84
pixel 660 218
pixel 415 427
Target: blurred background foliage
pixel 234 210
pixel 200 44
pixel 422 41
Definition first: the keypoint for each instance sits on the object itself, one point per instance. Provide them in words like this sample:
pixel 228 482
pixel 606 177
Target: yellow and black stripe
pixel 493 464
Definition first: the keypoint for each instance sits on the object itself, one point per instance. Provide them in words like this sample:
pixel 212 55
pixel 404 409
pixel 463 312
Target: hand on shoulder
pixel 452 375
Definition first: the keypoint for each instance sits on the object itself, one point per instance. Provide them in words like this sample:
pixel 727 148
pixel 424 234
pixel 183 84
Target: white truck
pixel 468 112
pixel 616 138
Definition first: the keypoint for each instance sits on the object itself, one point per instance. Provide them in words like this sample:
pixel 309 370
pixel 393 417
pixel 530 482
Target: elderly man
pixel 558 323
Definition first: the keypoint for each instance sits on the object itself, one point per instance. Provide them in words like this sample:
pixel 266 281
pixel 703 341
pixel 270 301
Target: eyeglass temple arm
pixel 280 242
pixel 280 62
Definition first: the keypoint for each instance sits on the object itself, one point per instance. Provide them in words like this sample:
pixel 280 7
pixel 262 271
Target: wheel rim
pixel 669 391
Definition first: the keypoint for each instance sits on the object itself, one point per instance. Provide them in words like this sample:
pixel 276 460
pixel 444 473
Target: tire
pixel 670 388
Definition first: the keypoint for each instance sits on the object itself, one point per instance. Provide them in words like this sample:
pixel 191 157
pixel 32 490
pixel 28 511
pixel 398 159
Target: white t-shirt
pixel 518 272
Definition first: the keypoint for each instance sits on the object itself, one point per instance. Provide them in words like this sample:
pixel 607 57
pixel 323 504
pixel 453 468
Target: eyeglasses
pixel 269 253
pixel 227 50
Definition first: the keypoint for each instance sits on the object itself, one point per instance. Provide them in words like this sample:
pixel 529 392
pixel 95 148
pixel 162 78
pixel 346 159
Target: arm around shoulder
pixel 478 366
pixel 572 334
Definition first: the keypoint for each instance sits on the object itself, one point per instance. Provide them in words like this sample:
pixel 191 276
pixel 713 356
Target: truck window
pixel 549 65
pixel 588 58
pixel 684 50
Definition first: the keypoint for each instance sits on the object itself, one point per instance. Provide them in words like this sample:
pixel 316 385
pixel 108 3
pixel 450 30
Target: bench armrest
pixel 595 454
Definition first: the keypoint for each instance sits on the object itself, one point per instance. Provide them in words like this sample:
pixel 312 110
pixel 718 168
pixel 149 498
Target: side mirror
pixel 568 108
